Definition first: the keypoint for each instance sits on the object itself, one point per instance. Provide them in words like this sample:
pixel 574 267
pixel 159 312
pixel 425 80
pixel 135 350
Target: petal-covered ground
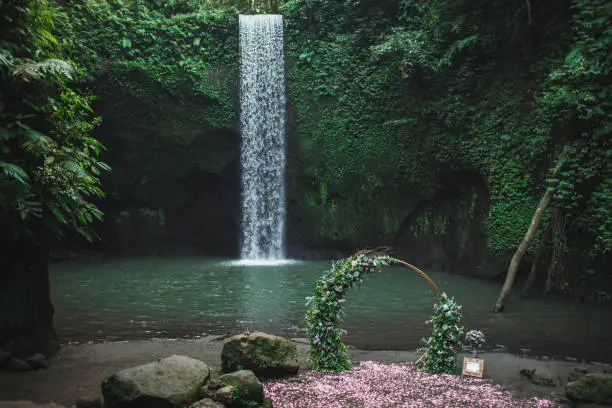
pixel 376 385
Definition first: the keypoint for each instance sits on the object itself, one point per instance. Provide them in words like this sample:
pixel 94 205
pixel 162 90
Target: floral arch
pixel 325 309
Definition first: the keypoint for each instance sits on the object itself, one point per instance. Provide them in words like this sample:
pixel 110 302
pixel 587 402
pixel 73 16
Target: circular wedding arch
pixel 325 307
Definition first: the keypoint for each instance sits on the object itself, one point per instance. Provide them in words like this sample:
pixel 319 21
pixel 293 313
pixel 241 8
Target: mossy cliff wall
pixel 400 133
pixel 166 83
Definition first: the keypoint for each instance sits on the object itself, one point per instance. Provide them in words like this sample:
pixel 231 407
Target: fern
pixel 35 71
pixel 73 167
pixel 13 171
pixel 6 58
pixel 28 206
pixel 37 143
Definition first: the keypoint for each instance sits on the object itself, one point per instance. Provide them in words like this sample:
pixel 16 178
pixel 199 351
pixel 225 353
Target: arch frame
pixel 326 307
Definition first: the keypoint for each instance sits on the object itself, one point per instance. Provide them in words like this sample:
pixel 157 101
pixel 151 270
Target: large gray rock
pixel 172 382
pixel 264 354
pixel 593 387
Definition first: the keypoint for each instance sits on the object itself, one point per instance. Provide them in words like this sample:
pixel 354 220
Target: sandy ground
pixel 78 370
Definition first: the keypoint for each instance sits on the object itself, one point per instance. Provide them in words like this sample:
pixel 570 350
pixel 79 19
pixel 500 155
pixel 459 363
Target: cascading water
pixel 262 122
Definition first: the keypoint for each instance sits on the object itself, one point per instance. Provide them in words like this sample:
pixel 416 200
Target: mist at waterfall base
pixel 262 150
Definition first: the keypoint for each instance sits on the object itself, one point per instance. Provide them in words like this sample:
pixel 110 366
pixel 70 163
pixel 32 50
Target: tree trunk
pixel 522 248
pixel 538 255
pixel 26 318
pixel 556 265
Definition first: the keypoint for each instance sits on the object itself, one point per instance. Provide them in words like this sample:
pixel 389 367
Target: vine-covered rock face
pixel 264 354
pixel 325 307
pixel 167 92
pixel 174 382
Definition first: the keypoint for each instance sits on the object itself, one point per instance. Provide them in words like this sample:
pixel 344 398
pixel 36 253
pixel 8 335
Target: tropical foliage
pixel 49 171
pixel 498 88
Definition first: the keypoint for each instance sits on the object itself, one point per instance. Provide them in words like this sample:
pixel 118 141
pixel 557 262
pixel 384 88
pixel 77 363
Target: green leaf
pixel 15 172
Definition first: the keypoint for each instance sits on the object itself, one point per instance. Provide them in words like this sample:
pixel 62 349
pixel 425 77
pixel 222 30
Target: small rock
pixel 89 403
pixel 207 403
pixel 225 395
pixel 37 361
pixel 246 388
pixel 592 387
pixel 4 356
pixel 539 376
pixel 213 385
pixel 16 365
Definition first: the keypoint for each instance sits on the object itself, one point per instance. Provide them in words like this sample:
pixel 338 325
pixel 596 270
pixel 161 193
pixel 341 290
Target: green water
pixel 175 298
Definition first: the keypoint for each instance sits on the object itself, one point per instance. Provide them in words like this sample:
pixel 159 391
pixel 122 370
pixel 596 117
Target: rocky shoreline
pixel 78 371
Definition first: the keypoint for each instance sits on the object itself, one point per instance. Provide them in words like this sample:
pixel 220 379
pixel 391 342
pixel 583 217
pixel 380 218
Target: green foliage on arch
pixel 325 308
pixel 442 346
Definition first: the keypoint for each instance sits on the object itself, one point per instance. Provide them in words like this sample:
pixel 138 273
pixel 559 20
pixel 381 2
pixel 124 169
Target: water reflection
pixel 145 298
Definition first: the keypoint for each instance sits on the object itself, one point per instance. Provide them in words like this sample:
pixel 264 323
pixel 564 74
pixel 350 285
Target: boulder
pixel 592 387
pixel 207 403
pixel 245 384
pixel 540 376
pixel 238 389
pixel 171 382
pixel 37 361
pixel 264 354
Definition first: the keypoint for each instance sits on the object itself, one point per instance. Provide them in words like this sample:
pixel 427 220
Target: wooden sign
pixel 473 367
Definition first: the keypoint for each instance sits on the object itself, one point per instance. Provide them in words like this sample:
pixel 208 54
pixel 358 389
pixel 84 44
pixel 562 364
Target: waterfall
pixel 262 126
